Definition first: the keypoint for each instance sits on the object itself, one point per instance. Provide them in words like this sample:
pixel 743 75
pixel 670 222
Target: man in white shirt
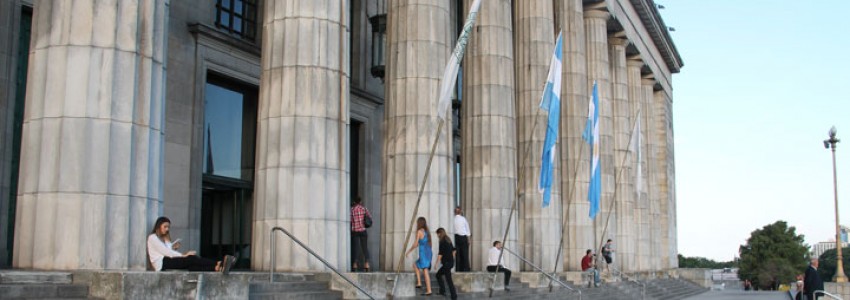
pixel 461 241
pixel 493 262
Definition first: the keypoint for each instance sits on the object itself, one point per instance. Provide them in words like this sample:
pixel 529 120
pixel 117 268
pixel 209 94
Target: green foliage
pixel 828 263
pixel 773 254
pixel 705 263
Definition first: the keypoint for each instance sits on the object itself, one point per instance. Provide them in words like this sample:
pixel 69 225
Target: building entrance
pixel 226 219
pixel 230 125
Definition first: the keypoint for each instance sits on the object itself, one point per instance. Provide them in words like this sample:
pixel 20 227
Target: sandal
pixel 227 263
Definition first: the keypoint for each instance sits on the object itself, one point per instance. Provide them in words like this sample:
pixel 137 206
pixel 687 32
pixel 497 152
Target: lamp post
pixel 830 144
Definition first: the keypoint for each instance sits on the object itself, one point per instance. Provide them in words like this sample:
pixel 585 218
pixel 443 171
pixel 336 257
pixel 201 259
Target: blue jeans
pixel 596 279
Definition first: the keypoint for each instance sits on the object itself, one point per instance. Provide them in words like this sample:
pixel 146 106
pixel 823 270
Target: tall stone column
pixel 623 122
pixel 598 69
pixel 640 212
pixel 664 161
pixel 419 41
pixel 302 177
pixel 534 41
pixel 489 153
pixel 91 156
pixel 652 169
pixel 672 237
pixel 574 151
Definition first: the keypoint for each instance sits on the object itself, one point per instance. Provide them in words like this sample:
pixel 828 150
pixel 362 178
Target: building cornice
pixel 651 19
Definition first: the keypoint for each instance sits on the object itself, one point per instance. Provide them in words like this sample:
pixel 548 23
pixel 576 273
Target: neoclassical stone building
pixel 235 116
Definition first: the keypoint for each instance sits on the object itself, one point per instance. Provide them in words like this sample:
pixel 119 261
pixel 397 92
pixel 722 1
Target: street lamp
pixel 379 44
pixel 830 144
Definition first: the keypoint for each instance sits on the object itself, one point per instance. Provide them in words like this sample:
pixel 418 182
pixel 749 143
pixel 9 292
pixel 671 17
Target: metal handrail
pixel 297 241
pixel 827 294
pixel 553 278
pixel 629 278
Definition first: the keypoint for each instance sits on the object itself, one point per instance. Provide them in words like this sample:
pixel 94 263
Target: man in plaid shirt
pixel 359 236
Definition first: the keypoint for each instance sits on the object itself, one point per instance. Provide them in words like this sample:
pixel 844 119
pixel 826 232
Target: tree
pixel 705 263
pixel 772 254
pixel 827 266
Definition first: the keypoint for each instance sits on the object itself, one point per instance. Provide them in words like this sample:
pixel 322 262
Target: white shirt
pixel 461 226
pixel 157 249
pixel 493 258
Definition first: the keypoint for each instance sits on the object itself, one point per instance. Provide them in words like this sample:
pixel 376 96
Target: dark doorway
pixel 24 34
pixel 226 220
pixel 354 160
pixel 230 125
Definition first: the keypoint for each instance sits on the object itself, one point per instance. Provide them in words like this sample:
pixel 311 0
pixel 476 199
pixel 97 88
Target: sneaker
pixel 227 263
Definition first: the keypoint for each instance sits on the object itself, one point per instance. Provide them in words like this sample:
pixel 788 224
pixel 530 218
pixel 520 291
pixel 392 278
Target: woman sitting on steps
pixel 164 256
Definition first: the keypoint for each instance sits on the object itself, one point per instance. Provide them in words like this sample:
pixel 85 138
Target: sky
pixel 762 83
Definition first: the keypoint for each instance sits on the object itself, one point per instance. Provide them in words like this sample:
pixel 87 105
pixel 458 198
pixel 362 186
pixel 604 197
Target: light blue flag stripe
pixel 551 102
pixel 591 135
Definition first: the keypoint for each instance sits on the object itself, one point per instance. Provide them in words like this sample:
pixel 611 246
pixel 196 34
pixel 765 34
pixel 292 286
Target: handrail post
pixel 272 254
pixel 326 263
pixel 538 269
pixel 629 278
pixel 823 292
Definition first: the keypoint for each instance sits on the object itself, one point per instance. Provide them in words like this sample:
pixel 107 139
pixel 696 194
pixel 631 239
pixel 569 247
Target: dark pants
pixel 361 250
pixel 462 244
pixel 446 271
pixel 191 263
pixel 503 270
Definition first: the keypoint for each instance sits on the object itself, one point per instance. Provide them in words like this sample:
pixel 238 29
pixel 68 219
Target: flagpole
pixel 616 179
pixel 554 70
pixel 446 85
pixel 573 187
pixel 515 204
pixel 564 222
pixel 418 200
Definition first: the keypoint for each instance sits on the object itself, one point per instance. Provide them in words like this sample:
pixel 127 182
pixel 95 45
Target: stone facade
pixel 115 131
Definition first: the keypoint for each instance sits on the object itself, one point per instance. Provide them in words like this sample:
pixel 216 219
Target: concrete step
pixel 43 290
pixel 34 277
pixel 282 287
pixel 294 289
pixel 307 295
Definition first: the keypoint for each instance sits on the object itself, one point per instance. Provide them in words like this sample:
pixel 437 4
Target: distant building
pixel 820 248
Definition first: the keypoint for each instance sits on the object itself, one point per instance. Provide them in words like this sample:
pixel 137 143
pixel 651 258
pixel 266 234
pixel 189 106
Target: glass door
pixel 230 125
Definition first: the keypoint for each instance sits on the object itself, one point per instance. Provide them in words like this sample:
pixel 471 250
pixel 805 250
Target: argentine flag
pixel 551 102
pixel 591 135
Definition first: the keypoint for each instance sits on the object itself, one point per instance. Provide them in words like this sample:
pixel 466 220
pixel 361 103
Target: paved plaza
pixel 749 295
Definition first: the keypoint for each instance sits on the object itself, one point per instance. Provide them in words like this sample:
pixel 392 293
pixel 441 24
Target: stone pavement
pixel 749 295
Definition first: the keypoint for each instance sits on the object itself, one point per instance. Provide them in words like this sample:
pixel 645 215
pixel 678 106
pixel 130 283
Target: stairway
pixel 292 287
pixel 40 285
pixel 655 289
pixel 672 289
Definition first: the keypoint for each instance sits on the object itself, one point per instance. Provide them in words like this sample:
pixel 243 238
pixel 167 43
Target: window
pixel 239 17
pixel 230 116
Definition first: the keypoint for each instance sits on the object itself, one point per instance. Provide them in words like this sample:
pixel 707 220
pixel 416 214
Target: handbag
pixel 367 221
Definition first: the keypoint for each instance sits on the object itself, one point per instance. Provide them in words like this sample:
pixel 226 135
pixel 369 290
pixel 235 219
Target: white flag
pixel 447 84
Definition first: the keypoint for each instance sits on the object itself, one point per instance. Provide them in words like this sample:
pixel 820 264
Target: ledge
pixel 216 35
